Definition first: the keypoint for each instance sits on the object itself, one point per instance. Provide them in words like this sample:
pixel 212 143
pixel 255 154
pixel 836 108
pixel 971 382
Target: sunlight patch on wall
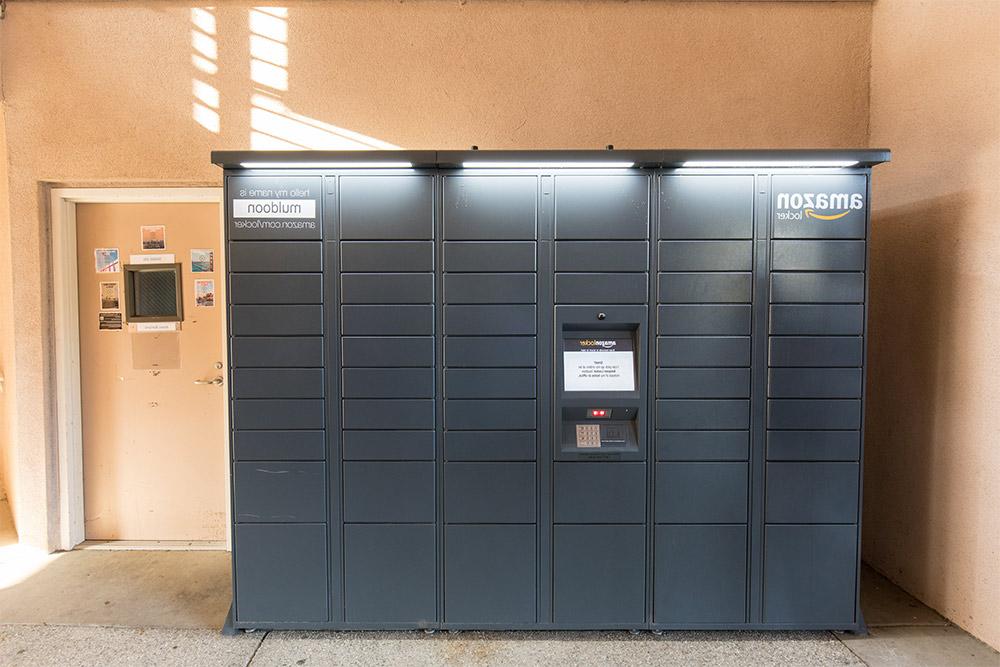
pixel 268 50
pixel 269 116
pixel 205 108
pixel 274 126
pixel 206 50
pixel 204 57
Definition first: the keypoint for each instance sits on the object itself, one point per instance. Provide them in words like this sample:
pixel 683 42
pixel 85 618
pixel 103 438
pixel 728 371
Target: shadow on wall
pixel 914 326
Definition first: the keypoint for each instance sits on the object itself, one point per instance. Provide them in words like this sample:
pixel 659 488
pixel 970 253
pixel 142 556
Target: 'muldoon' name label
pixel 275 209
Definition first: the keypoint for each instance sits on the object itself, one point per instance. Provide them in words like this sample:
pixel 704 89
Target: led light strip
pixel 704 164
pixel 547 165
pixel 326 165
pixel 769 163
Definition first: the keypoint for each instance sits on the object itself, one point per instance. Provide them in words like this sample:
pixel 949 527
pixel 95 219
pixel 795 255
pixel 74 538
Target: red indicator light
pixel 596 412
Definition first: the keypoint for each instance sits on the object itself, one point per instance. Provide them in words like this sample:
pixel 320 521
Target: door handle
pixel 217 381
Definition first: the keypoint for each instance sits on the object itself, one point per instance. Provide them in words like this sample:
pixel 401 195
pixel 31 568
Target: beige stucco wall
pixel 141 92
pixel 933 437
pixel 8 479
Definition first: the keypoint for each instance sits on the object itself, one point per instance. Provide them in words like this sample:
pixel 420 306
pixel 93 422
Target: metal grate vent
pixel 156 293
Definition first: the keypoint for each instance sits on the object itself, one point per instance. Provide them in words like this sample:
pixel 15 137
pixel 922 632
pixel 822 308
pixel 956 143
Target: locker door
pixel 278 392
pixel 814 415
pixel 704 292
pixel 490 393
pixel 388 389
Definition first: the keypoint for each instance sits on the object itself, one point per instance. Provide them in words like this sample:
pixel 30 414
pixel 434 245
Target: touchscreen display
pixel 599 364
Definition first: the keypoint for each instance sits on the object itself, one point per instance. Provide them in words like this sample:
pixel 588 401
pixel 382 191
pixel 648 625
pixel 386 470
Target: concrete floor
pixel 165 608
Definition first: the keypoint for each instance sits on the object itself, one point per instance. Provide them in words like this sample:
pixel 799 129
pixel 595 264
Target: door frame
pixel 66 324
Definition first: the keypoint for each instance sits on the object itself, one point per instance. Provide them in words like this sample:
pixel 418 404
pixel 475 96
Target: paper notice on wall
pixel 204 293
pixel 202 260
pixel 106 260
pixel 109 321
pixel 153 237
pixel 109 296
pixel 595 364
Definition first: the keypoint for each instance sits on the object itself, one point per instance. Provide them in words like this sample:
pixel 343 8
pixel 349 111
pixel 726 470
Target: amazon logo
pixel 817 205
pixel 606 344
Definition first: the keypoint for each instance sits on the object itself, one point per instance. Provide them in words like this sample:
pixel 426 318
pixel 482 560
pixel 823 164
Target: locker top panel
pixel 651 158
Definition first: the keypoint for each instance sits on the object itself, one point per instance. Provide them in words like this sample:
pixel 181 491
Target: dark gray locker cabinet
pixel 816 296
pixel 490 398
pixel 279 402
pixel 387 387
pixel 542 395
pixel 703 391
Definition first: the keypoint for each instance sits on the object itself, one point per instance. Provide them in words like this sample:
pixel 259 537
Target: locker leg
pixel 862 629
pixel 227 626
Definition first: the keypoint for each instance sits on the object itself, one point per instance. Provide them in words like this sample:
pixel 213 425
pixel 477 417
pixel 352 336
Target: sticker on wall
pixel 204 293
pixel 153 237
pixel 109 321
pixel 202 261
pixel 106 260
pixel 109 296
pixel 165 258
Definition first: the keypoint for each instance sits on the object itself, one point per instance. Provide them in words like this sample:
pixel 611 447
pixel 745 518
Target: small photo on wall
pixel 106 260
pixel 202 261
pixel 204 293
pixel 153 237
pixel 109 296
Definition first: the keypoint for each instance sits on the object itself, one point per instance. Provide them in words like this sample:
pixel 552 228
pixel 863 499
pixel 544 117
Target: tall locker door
pixel 814 412
pixel 704 288
pixel 277 387
pixel 599 536
pixel 490 228
pixel 386 226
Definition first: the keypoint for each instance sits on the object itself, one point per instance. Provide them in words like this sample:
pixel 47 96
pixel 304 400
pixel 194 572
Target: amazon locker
pixel 547 389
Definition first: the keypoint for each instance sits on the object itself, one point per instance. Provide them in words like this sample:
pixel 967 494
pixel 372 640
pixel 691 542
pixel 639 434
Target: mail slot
pixel 549 393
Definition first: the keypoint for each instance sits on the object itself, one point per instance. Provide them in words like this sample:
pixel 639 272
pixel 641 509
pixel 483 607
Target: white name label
pixel 275 209
pixel 151 259
pixel 153 327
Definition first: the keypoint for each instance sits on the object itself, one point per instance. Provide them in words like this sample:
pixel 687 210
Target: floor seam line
pixel 852 651
pixel 257 648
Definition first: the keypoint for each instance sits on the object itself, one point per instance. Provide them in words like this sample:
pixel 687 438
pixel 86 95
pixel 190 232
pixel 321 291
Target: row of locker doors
pixel 492 575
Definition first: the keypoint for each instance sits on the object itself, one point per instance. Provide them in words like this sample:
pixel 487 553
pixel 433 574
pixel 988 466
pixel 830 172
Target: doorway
pixel 146 449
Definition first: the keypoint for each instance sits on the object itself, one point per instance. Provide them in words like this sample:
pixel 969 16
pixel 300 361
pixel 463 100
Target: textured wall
pixel 7 452
pixel 142 91
pixel 933 437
